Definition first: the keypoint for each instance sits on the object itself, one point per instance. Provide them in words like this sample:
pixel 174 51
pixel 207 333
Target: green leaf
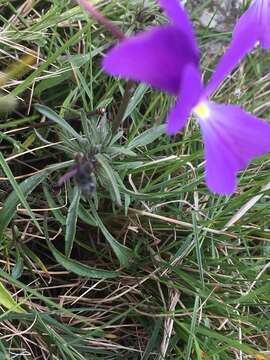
pixel 231 343
pixel 50 114
pixel 136 99
pixel 71 222
pixel 7 300
pixel 35 259
pixel 153 341
pixel 120 150
pixel 52 82
pixel 78 268
pixel 78 60
pixel 147 137
pixel 18 268
pixel 110 174
pixel 123 253
pixel 85 216
pixel 53 207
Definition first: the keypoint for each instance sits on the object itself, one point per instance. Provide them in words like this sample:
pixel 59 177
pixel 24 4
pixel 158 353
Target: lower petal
pixel 232 139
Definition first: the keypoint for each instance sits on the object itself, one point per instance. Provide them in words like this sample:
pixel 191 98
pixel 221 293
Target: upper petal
pixel 232 139
pixel 253 26
pixel 264 9
pixel 156 57
pixel 239 47
pixel 178 16
pixel 255 19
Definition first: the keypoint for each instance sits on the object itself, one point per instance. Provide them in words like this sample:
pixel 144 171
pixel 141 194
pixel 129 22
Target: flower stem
pixel 116 31
pixel 112 28
pixel 123 106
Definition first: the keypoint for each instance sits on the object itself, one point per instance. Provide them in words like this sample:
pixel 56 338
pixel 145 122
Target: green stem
pixel 123 106
pixel 102 19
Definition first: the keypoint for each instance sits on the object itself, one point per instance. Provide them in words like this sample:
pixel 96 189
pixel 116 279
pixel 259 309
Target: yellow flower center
pixel 202 110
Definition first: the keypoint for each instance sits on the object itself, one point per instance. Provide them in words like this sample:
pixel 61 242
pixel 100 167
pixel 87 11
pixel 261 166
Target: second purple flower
pixel 166 58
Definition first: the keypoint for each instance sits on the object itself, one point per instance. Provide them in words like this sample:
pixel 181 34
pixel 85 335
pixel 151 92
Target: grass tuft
pixel 133 258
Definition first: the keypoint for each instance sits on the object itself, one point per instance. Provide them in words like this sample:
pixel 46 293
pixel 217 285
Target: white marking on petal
pixel 202 110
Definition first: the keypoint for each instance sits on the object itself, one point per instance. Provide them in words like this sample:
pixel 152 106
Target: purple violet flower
pixel 166 57
pixel 252 27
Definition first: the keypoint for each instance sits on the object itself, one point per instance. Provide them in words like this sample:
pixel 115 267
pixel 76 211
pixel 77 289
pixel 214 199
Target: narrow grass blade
pixel 7 300
pixel 192 335
pixel 50 114
pixel 50 60
pixel 78 268
pixel 154 340
pixel 198 247
pixel 24 249
pixel 231 343
pixel 85 216
pixel 53 207
pixel 71 222
pixel 137 97
pixel 147 137
pixel 112 178
pixel 122 252
pixel 18 268
pixel 26 187
pixel 19 192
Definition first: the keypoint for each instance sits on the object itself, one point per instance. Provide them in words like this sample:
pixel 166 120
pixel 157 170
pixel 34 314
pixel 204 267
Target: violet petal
pixel 253 26
pixel 233 55
pixel 232 139
pixel 178 16
pixel 256 19
pixel 190 90
pixel 156 57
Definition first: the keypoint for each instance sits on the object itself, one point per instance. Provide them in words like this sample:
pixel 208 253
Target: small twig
pixel 181 223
